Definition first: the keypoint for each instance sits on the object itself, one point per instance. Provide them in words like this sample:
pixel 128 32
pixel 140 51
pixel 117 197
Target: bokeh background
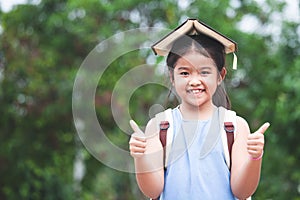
pixel 43 43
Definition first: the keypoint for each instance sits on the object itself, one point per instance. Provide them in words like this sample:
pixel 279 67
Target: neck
pixel 197 113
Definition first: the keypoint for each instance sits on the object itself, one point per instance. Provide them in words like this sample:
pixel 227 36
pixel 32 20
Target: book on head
pixel 192 27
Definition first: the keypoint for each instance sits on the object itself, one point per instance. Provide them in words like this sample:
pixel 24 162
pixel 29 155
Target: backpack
pixel 227 120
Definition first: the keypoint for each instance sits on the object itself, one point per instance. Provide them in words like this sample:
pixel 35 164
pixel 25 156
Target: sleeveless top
pixel 192 173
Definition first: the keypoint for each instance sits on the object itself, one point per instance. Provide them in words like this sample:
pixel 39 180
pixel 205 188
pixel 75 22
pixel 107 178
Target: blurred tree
pixel 42 47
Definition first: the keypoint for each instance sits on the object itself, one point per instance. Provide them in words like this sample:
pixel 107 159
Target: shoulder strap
pixel 229 129
pixel 227 124
pixel 163 129
pixel 165 120
pixel 228 132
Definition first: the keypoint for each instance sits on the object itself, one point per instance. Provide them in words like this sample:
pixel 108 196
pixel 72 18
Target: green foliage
pixel 42 47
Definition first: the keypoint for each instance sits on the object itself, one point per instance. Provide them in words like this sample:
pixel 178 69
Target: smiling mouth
pixel 197 91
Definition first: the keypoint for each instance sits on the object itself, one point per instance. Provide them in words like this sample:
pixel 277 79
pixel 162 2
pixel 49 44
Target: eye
pixel 184 73
pixel 205 72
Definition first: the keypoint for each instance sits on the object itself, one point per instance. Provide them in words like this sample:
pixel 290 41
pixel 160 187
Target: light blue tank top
pixel 191 172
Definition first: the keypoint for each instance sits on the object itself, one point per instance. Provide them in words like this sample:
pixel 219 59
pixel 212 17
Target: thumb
pixel 135 127
pixel 263 128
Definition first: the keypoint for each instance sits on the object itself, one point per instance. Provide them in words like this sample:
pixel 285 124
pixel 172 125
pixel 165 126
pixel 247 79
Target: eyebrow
pixel 183 68
pixel 188 68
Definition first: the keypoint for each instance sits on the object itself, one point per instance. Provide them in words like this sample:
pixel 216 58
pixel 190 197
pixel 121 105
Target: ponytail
pixel 220 98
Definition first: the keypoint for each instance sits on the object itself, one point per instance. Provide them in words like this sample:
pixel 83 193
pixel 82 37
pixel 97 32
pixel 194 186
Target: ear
pixel 222 75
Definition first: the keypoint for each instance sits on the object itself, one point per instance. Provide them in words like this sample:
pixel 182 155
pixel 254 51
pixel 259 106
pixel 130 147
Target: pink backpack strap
pixel 163 129
pixel 229 129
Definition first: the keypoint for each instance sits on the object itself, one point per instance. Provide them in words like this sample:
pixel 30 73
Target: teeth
pixel 196 91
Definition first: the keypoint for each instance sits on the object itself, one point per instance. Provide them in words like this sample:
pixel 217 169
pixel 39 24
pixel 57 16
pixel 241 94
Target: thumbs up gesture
pixel 137 142
pixel 256 141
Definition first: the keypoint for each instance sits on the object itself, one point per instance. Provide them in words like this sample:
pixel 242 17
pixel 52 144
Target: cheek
pixel 179 84
pixel 176 80
pixel 211 84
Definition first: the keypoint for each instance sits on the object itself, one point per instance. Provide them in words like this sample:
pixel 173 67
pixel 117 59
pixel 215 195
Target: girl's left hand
pixel 256 142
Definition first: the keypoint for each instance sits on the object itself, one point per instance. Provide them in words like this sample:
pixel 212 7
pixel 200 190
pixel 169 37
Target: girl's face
pixel 195 80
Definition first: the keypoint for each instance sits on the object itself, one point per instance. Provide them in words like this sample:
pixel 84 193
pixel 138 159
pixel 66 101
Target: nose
pixel 195 81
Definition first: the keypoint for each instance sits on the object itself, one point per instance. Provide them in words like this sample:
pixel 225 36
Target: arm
pixel 245 172
pixel 147 152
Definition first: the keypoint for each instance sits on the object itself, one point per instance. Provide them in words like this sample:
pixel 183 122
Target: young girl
pixel 196 66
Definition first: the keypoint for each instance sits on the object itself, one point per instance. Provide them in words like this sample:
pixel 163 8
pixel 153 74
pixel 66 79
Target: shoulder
pixel 239 148
pixel 242 129
pixel 152 135
pixel 153 124
pixel 241 123
pixel 151 127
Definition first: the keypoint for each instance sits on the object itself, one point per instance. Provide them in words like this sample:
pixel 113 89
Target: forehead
pixel 195 60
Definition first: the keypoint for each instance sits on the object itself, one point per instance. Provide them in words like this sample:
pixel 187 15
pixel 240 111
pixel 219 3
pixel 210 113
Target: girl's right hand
pixel 137 142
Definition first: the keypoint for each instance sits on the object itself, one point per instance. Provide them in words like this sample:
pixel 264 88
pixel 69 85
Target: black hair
pixel 208 47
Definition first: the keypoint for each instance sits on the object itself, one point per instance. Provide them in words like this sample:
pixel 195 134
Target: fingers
pixel 263 128
pixel 138 133
pixel 138 138
pixel 255 146
pixel 137 146
pixel 257 138
pixel 256 141
pixel 135 127
pixel 137 143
